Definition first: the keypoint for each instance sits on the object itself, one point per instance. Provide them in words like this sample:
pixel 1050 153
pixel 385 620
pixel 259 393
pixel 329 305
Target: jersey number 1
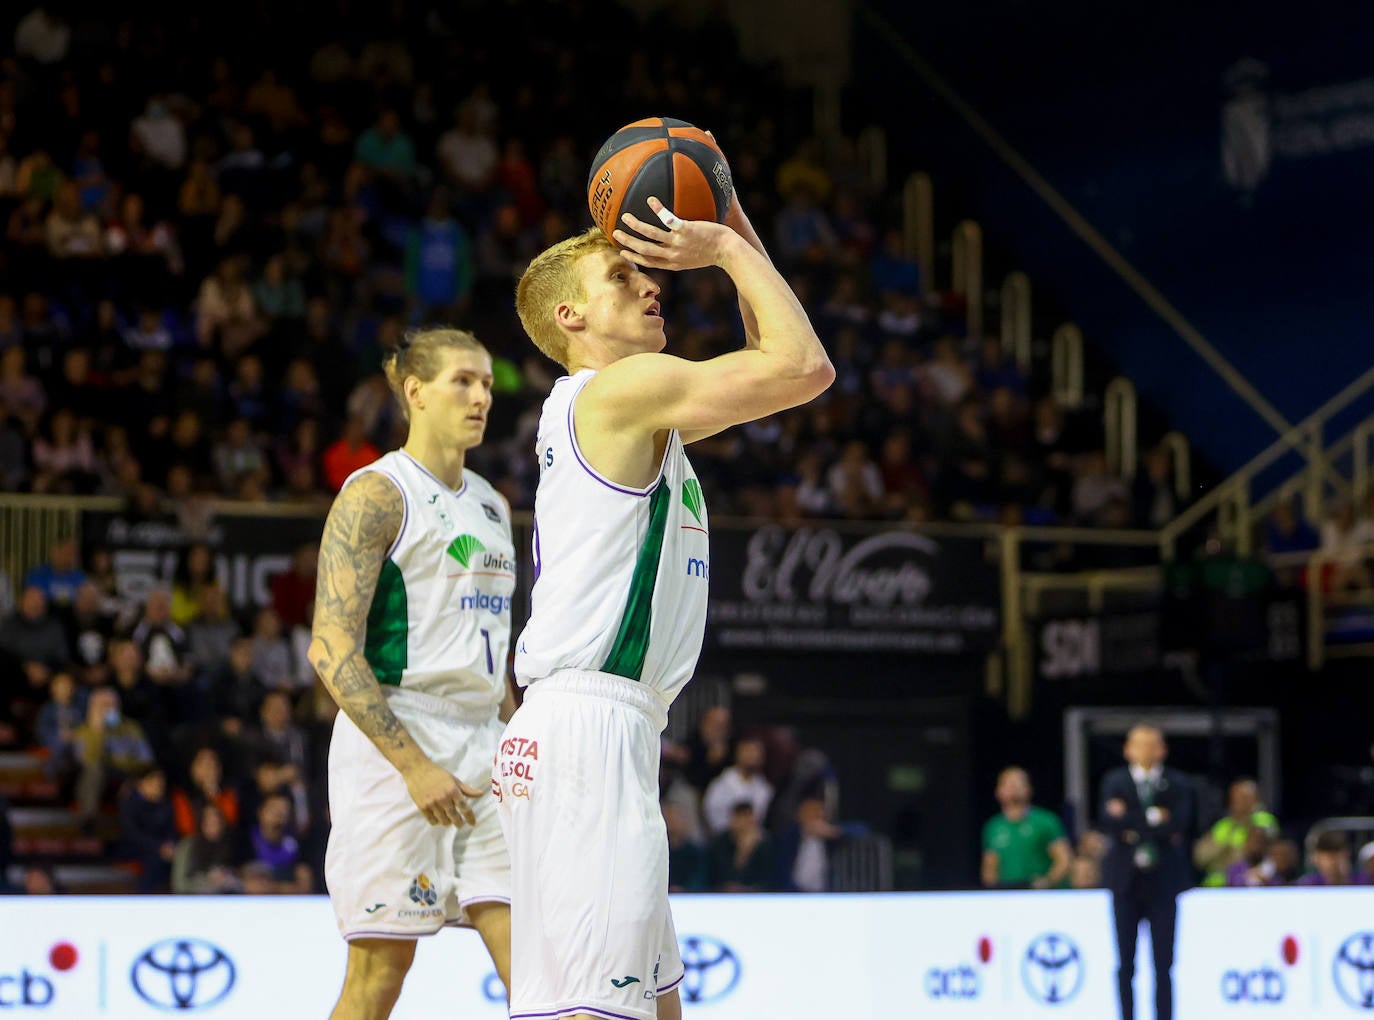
pixel 491 663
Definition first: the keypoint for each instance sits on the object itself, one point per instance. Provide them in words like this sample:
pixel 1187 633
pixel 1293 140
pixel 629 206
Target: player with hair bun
pixel 410 634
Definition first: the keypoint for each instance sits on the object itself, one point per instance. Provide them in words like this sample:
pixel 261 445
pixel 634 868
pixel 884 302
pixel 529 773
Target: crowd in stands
pixel 205 256
pixel 191 743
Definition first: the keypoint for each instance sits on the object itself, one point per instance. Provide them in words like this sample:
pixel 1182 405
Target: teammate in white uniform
pixel 411 632
pixel 619 601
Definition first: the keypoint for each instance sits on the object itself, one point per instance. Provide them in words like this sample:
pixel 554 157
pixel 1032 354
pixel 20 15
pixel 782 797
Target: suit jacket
pixel 1172 837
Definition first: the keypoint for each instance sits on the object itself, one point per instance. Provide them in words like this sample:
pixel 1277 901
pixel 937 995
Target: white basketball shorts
pixel 389 872
pixel 576 781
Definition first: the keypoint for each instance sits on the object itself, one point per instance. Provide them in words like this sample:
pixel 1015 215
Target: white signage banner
pixel 1278 953
pixel 1285 954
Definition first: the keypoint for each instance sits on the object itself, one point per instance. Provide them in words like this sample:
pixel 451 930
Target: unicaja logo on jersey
pixel 691 498
pixel 463 547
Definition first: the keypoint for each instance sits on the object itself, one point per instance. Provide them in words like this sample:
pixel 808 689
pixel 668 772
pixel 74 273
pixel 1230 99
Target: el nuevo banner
pixel 818 589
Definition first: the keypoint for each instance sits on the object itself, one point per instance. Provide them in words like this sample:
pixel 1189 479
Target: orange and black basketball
pixel 671 160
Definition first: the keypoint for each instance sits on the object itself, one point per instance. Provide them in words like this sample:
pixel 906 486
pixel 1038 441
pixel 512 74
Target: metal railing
pixel 1236 494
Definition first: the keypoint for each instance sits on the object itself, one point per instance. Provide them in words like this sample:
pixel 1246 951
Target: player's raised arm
pixel 361 526
pixel 787 367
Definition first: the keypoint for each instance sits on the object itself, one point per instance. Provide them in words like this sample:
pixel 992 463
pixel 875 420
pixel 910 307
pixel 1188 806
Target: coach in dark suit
pixel 1147 815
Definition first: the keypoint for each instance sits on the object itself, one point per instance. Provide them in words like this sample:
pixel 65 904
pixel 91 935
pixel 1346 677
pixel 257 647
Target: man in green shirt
pixel 1024 847
pixel 1224 843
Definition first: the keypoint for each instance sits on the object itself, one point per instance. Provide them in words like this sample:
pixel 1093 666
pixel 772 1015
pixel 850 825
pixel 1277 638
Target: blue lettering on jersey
pixel 480 600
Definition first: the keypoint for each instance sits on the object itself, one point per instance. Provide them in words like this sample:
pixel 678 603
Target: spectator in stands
pixel 1094 487
pixel 438 265
pixel 856 483
pixel 1364 865
pixel 141 699
pixel 59 718
pixel 14 454
pixel 162 643
pixel 272 651
pixel 742 856
pixel 1024 846
pixel 206 787
pixel 33 646
pixel 891 269
pixel 207 860
pixel 1224 844
pixel 1154 501
pixel 708 747
pixel 72 232
pixel 349 452
pixel 1050 448
pixel 21 392
pixel 41 880
pixel 1287 862
pixel 966 479
pixel 384 160
pixel 1085 872
pixel 227 319
pixel 64 457
pixel 1344 538
pixel 271 776
pixel 997 369
pixel 108 748
pixel 274 847
pixel 1330 860
pixel 146 832
pixel 742 781
pixel 689 864
pixel 235 688
pixel 211 633
pixel 1254 866
pixel 803 849
pixel 238 456
pixel 1287 531
pixel 60 576
pixel 294 589
pixel 275 736
pixel 195 570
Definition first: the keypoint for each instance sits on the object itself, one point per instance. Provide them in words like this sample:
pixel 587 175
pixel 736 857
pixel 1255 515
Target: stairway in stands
pixel 47 831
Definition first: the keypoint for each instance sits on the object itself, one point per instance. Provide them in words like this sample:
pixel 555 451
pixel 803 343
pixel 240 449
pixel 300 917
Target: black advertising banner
pixel 815 589
pixel 1138 641
pixel 249 549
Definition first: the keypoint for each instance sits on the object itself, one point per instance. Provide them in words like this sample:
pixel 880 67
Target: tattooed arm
pixel 362 524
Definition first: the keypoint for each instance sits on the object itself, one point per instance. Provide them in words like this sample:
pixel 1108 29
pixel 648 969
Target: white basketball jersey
pixel 440 618
pixel 620 574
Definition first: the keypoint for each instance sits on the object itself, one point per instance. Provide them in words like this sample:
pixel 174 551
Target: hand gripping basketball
pixel 678 244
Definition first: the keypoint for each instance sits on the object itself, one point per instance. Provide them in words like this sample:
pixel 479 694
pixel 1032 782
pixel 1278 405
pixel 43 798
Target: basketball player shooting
pixel 411 628
pixel 619 600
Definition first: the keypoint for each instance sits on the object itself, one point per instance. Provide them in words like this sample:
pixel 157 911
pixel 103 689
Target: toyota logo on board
pixel 183 974
pixel 1052 969
pixel 1353 970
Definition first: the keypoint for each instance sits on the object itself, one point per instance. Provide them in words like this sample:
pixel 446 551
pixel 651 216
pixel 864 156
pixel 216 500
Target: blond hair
pixel 549 280
pixel 420 354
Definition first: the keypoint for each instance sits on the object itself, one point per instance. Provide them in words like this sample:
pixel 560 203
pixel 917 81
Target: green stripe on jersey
pixel 388 627
pixel 632 640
